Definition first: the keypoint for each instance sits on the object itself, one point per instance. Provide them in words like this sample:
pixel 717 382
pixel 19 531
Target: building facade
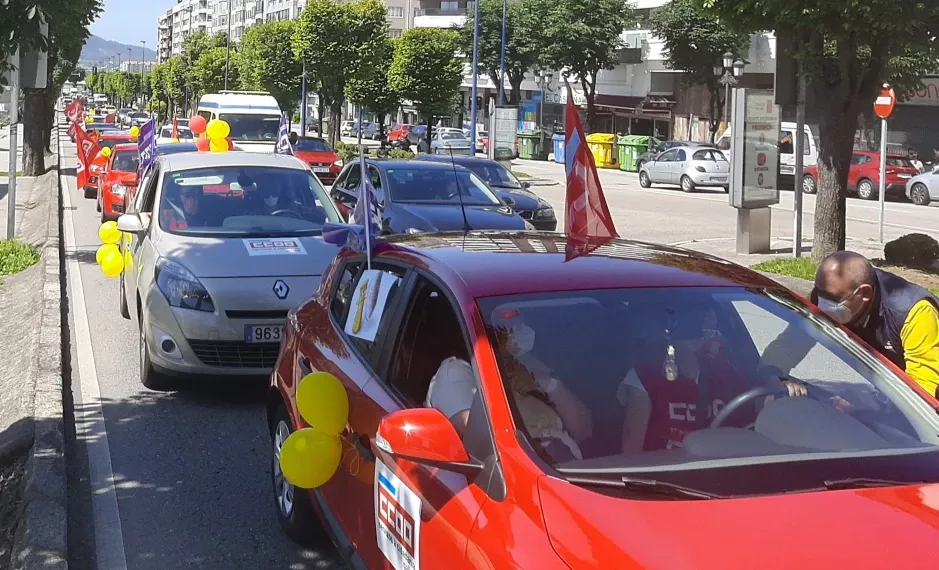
pixel 184 18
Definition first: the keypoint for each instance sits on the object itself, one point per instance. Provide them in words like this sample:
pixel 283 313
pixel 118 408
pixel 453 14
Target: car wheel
pixel 919 194
pixel 644 180
pixel 726 189
pixel 149 376
pixel 865 189
pixel 125 312
pixel 98 205
pixel 686 184
pixel 294 508
pixel 90 193
pixel 808 184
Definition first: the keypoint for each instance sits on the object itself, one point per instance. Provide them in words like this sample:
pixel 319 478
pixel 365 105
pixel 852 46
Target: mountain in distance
pixel 98 51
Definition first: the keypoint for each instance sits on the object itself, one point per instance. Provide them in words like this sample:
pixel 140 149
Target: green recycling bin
pixel 530 145
pixel 631 147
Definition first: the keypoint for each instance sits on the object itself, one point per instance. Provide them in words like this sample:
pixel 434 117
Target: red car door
pixel 417 514
pixel 860 163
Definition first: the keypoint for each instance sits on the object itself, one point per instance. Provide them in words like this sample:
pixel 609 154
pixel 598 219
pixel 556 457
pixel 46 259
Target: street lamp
pixel 473 106
pixel 729 72
pixel 543 81
pixel 143 57
pixel 505 19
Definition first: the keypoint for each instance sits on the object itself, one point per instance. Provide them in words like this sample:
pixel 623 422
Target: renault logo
pixel 281 289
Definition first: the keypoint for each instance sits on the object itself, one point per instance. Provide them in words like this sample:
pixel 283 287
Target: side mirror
pixel 130 223
pixel 526 185
pixel 425 436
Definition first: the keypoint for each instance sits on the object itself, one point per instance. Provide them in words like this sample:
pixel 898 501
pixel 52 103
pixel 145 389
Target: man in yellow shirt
pixel 898 318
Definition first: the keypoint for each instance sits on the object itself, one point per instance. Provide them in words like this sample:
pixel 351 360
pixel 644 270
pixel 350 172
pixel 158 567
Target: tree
pixel 19 28
pixel 847 50
pixel 375 92
pixel 268 62
pixel 583 37
pixel 175 81
pixel 207 74
pixel 523 40
pixel 340 41
pixel 425 70
pixel 695 41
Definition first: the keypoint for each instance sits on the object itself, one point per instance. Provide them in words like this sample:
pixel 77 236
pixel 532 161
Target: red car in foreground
pixel 117 179
pixel 323 160
pixel 626 409
pixel 106 140
pixel 864 175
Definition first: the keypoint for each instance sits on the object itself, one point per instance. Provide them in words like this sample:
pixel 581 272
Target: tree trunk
pixel 512 96
pixel 34 121
pixel 50 119
pixel 335 113
pixel 836 142
pixel 590 93
pixel 320 109
pixel 717 112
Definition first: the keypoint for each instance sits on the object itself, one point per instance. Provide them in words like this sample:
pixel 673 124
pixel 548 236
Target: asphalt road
pixel 158 480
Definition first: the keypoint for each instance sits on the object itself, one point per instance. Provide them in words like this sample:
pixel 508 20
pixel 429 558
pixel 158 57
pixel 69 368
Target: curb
pixel 41 537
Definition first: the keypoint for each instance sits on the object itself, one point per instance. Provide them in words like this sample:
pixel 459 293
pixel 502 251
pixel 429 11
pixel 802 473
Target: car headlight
pixel 544 213
pixel 413 231
pixel 118 189
pixel 338 162
pixel 181 288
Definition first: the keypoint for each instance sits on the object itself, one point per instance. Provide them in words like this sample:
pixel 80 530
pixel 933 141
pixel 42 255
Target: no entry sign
pixel 883 105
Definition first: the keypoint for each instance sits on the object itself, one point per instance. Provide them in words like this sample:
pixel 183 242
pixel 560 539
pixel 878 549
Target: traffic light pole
pixel 14 119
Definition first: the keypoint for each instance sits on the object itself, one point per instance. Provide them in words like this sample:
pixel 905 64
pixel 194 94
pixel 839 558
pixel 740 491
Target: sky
pixel 130 21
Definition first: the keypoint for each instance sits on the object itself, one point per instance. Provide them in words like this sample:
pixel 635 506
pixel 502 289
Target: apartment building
pixel 184 18
pixel 236 16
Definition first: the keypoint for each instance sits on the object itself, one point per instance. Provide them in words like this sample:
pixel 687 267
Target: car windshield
pixel 256 128
pixel 660 374
pixel 109 143
pixel 452 135
pixel 438 186
pixel 312 145
pixel 245 201
pixel 184 134
pixel 493 174
pixel 126 161
pixel 140 115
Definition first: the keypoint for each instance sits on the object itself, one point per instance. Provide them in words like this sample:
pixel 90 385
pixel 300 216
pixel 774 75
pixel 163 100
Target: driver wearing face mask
pixel 898 318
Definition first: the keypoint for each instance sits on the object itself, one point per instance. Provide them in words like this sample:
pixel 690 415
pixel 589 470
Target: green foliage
pixel 16 256
pixel 425 69
pixel 847 49
pixel 374 92
pixel 267 62
pixel 583 37
pixel 207 74
pixel 524 40
pixel 801 267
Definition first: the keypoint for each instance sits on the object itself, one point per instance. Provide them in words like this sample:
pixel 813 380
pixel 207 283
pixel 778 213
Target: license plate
pixel 718 179
pixel 263 333
pixel 320 169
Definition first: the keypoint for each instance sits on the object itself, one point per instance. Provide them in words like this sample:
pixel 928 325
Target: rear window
pixel 900 162
pixel 707 154
pixel 312 145
pixel 109 143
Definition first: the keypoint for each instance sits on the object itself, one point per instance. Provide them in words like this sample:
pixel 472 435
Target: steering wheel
pixel 776 388
pixel 288 213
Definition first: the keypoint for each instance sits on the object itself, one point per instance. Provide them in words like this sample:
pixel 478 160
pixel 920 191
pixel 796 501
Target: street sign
pixel 885 102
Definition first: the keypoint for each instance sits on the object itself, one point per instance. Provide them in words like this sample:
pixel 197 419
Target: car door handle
pixel 361 443
pixel 305 367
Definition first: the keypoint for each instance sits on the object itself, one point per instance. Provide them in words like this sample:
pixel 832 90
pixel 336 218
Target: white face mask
pixel 523 338
pixel 840 312
pixel 270 201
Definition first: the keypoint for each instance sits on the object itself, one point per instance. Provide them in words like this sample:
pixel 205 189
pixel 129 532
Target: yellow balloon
pixel 310 458
pixel 104 251
pixel 109 233
pixel 218 145
pixel 217 129
pixel 323 402
pixel 89 119
pixel 135 131
pixel 112 264
pixel 106 152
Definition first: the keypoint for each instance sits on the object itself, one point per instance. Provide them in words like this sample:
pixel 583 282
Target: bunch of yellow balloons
pixel 108 255
pixel 89 119
pixel 106 152
pixel 310 456
pixel 218 131
pixel 134 132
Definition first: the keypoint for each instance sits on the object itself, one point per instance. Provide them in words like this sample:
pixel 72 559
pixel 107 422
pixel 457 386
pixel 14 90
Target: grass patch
pixel 521 174
pixel 801 267
pixel 7 173
pixel 16 256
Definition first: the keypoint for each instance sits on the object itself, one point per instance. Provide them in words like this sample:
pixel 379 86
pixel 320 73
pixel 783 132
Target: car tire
pixel 90 193
pixel 726 189
pixel 809 186
pixel 644 179
pixel 122 291
pixel 866 190
pixel 919 194
pixel 687 185
pixel 149 376
pixel 295 511
pixel 98 205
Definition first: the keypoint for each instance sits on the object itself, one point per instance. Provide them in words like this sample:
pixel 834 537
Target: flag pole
pixel 364 195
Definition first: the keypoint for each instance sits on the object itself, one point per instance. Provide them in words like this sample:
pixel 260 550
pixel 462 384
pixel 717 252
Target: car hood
pixel 523 200
pixel 922 177
pixel 229 257
pixel 820 530
pixel 447 217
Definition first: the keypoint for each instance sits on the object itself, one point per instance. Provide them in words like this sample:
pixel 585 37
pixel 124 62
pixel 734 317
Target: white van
pixel 253 116
pixel 787 159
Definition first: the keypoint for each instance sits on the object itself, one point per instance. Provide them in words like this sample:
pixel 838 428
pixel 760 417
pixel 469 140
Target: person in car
pixel 554 417
pixel 187 214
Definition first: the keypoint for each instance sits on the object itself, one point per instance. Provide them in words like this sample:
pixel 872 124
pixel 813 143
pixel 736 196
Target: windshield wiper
pixel 866 483
pixel 646 486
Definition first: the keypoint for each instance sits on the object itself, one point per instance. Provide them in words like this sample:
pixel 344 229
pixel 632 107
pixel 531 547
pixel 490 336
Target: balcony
pixel 440 17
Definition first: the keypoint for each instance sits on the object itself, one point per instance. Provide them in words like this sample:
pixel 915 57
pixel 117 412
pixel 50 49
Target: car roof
pixel 109 135
pixel 124 146
pixel 308 138
pixel 494 263
pixel 461 160
pixel 411 164
pixel 191 160
pixel 172 148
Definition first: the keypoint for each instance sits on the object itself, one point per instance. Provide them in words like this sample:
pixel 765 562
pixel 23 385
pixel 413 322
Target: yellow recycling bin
pixel 603 147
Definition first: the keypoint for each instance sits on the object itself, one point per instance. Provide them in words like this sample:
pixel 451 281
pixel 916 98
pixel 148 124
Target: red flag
pixel 74 110
pixel 87 150
pixel 587 219
pixel 175 134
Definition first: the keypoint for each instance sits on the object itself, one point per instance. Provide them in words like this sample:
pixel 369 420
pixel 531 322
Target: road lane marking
pixel 90 426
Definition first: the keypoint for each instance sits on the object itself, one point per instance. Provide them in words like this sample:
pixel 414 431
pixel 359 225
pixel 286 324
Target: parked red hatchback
pixel 864 175
pixel 510 409
pixel 399 133
pixel 117 179
pixel 323 160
